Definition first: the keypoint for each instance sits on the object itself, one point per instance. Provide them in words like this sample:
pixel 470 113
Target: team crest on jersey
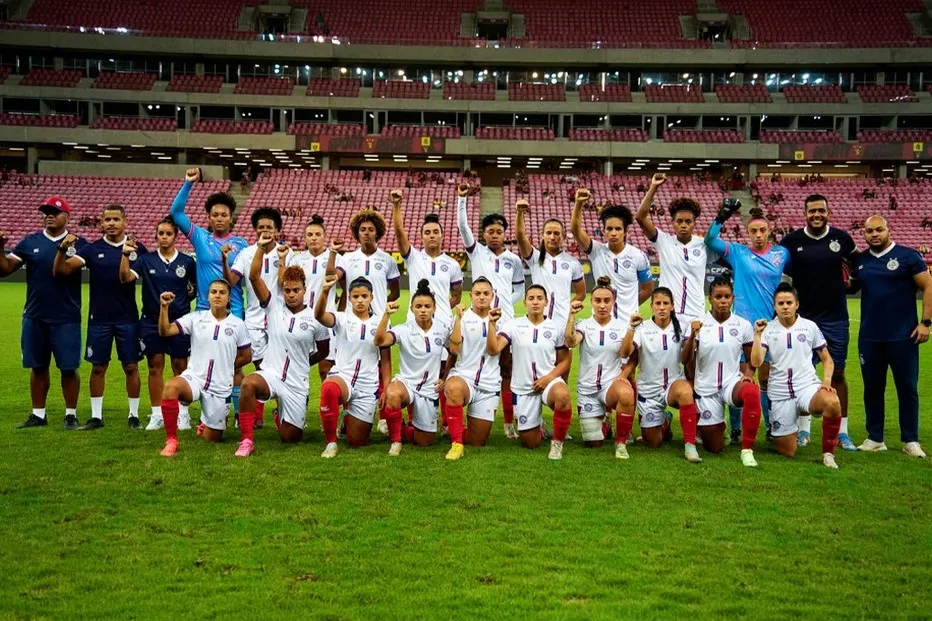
pixel 275 264
pixel 706 415
pixel 775 260
pixel 180 272
pixel 133 256
pixel 651 417
pixel 892 265
pixel 588 407
pixel 834 246
pixel 444 267
pixel 547 334
pixel 68 253
pixel 438 341
pixel 228 331
pixel 613 336
pixel 378 266
pixel 372 331
pixel 733 332
pixel 626 264
pixel 775 424
pixel 522 419
pixel 90 351
pixel 801 338
pixel 564 266
pixel 696 252
pixel 304 326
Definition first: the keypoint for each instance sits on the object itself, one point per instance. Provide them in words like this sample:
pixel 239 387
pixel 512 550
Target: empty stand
pixel 400 89
pixel 475 91
pixel 135 123
pixel 4 74
pixel 216 126
pixel 673 93
pixel 816 93
pixel 526 91
pixel 893 135
pixel 777 136
pixel 514 133
pixel 196 83
pixel 125 81
pixel 413 131
pixel 886 93
pixel 252 85
pixel 747 93
pixel 612 93
pixel 727 136
pixel 608 135
pixel 326 129
pixel 52 77
pixel 39 120
pixel 333 88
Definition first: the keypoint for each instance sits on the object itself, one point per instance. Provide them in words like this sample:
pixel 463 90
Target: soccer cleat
pixel 184 421
pixel 769 436
pixel 621 451
pixel 133 422
pixel 92 424
pixel 913 450
pixel 341 431
pixel 245 448
pixel 455 452
pixel 200 429
pixel 444 431
pixel 71 423
pixel 802 439
pixel 171 447
pixel 545 432
pixel 692 455
pixel 155 423
pixel 747 458
pixel 330 451
pixel 844 441
pixel 870 446
pixel 556 451
pixel 510 431
pixel 828 460
pixel 735 437
pixel 34 421
pixel 277 419
pixel 383 427
pixel 259 423
pixel 395 449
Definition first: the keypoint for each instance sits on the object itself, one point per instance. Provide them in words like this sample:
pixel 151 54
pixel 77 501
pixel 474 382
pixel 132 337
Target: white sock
pixel 156 412
pixel 40 412
pixel 97 407
pixel 182 410
pixel 134 407
pixel 805 423
pixel 71 411
pixel 844 426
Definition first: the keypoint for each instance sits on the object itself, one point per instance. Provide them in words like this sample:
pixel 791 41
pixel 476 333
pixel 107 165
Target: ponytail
pixel 542 249
pixel 677 331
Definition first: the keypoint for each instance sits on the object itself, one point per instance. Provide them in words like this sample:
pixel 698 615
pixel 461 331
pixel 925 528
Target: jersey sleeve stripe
pixel 180 328
pixel 13 255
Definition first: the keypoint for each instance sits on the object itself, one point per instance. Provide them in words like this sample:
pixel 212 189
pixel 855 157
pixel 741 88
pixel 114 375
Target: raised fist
pixel 264 240
pixel 129 246
pixel 458 311
pixel 167 298
pixel 462 190
pixel 576 306
pixel 225 250
pixel 395 197
pixel 695 326
pixel 391 308
pixel 283 251
pixel 69 241
pixel 523 205
pixel 193 175
pixel 495 314
pixel 329 281
pixel 636 320
pixel 583 195
pixel 658 179
pixel 729 206
pixel 760 325
pixel 336 245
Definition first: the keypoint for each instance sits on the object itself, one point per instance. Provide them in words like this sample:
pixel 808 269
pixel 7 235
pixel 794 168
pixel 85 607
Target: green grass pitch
pixel 98 525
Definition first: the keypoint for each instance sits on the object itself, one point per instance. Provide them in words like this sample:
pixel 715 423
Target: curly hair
pixel 368 215
pixel 684 203
pixel 294 274
pixel 617 211
pixel 220 198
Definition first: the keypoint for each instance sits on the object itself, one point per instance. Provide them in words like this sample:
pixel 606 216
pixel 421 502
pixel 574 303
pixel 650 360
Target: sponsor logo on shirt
pixel 706 415
pixel 613 335
pixel 626 264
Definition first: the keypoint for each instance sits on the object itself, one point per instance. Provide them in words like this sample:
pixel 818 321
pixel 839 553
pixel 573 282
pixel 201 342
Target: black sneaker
pixel 735 437
pixel 769 436
pixel 33 421
pixel 71 423
pixel 133 422
pixel 92 424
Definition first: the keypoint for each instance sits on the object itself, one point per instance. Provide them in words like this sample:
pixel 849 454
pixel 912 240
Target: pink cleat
pixel 200 429
pixel 171 447
pixel 245 449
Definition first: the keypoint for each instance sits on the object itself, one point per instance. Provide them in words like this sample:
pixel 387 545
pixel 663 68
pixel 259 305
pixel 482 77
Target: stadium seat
pixel 125 81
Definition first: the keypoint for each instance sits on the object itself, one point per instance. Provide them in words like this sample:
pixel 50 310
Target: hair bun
pixel 423 284
pixel 432 218
pixel 603 281
pixel 317 219
pixel 756 213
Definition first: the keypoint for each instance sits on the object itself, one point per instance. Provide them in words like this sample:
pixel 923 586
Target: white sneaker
pixel 621 451
pixel 330 451
pixel 395 449
pixel 872 447
pixel 510 431
pixel 913 450
pixel 692 455
pixel 155 423
pixel 747 458
pixel 184 421
pixel 556 450
pixel 828 460
pixel 383 427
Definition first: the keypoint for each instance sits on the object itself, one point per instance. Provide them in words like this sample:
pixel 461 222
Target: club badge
pixel 834 246
pixel 180 272
pixel 892 265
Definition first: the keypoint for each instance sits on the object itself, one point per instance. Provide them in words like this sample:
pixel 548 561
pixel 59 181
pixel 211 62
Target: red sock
pixel 407 432
pixel 508 407
pixel 260 412
pixel 170 408
pixel 689 417
pixel 830 428
pixel 623 424
pixel 410 410
pixel 561 423
pixel 247 420
pixel 606 429
pixel 443 409
pixel 392 416
pixel 455 423
pixel 329 410
pixel 750 414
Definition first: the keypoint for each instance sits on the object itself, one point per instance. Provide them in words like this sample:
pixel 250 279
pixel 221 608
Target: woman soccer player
pixel 296 343
pixel 540 361
pixel 661 381
pixel 476 376
pixel 368 261
pixel 715 345
pixel 503 269
pixel 794 386
pixel 421 342
pixel 600 386
pixel 359 370
pixel 219 348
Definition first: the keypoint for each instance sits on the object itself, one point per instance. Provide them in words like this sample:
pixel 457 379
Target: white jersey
pixel 627 269
pixel 791 349
pixel 214 345
pixel 599 360
pixel 557 275
pixel 420 355
pixel 255 314
pixel 357 353
pixel 682 271
pixel 442 272
pixel 504 271
pixel 533 351
pixel 658 357
pixel 315 272
pixel 718 352
pixel 474 364
pixel 293 338
pixel 378 268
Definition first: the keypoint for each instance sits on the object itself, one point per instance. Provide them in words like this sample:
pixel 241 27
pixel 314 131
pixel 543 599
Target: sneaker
pixel 768 437
pixel 259 424
pixel 747 458
pixel 171 447
pixel 92 424
pixel 692 455
pixel 341 431
pixel 444 432
pixel 844 441
pixel 870 446
pixel 803 438
pixel 607 430
pixel 245 448
pixel 71 422
pixel 395 449
pixel 383 427
pixel 34 421
pixel 277 419
pixel 200 429
pixel 455 452
pixel 828 460
pixel 545 432
pixel 133 422
pixel 330 451
pixel 621 451
pixel 913 450
pixel 556 451
pixel 735 437
pixel 510 431
pixel 155 423
pixel 184 421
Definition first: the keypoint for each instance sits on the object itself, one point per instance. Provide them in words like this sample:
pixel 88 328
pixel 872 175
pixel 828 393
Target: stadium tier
pixel 521 91
pixel 475 91
pixel 333 88
pixel 134 123
pixel 249 85
pixel 729 136
pixel 4 73
pixel 748 93
pixel 195 83
pixel 777 136
pixel 331 129
pixel 672 93
pixel 39 120
pixel 886 93
pixel 52 77
pixel 608 135
pixel 434 131
pixel 125 81
pixel 815 93
pixel 514 133
pixel 218 126
pixel 400 89
pixel 897 136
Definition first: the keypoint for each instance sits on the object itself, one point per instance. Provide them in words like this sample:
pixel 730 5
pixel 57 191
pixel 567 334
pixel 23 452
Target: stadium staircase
pixel 490 201
pixel 239 194
pixel 739 27
pixel 747 204
pixel 921 22
pixel 247 19
pixel 19 10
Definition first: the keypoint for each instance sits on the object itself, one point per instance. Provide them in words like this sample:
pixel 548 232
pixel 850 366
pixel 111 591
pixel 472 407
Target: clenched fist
pixel 658 179
pixel 193 175
pixel 167 298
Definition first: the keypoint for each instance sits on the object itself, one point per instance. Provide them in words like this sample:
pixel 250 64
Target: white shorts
pixel 651 409
pixel 292 401
pixel 482 405
pixel 362 403
pixel 592 405
pixel 259 339
pixel 213 407
pixel 424 409
pixel 712 407
pixel 332 354
pixel 528 407
pixel 784 413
